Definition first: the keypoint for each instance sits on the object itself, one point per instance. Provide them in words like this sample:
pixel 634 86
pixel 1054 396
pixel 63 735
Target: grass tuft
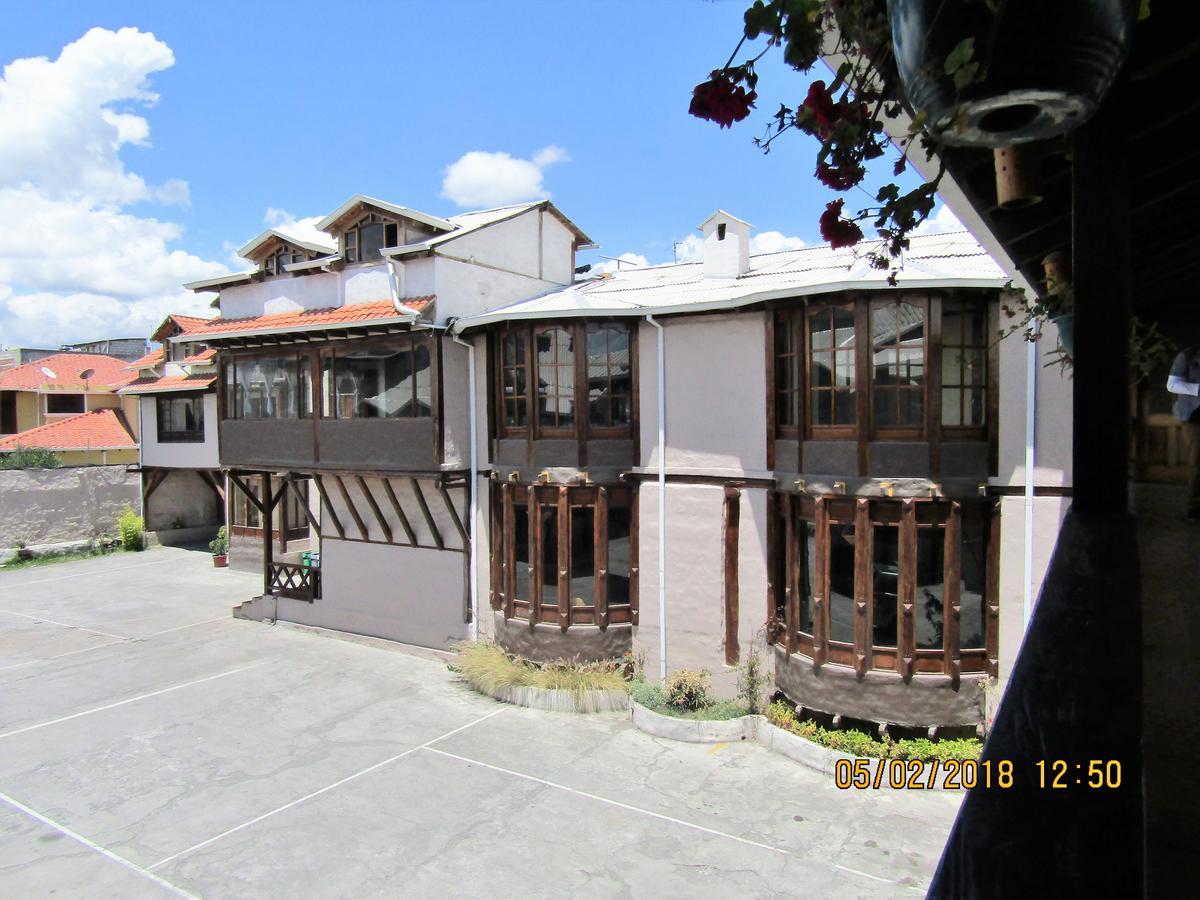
pixel 653 697
pixel 488 668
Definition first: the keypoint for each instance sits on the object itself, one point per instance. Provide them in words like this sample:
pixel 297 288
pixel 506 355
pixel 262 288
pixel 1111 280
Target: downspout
pixel 662 500
pixel 1030 458
pixel 396 282
pixel 473 631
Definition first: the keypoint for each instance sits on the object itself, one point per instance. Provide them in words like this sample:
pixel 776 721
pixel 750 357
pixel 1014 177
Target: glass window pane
pixel 549 561
pixel 269 386
pixel 844 407
pixel 952 325
pixel 930 579
pixel 886 584
pixel 973 561
pixel 583 556
pixel 841 583
pixel 953 360
pixel 820 332
pixel 371 241
pixel 304 388
pixel 520 543
pixel 822 408
pixel 951 411
pixel 912 406
pixel 619 530
pixel 975 406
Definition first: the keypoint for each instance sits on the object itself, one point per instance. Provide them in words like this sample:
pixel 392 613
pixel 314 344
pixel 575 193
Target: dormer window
pixel 363 241
pixel 284 256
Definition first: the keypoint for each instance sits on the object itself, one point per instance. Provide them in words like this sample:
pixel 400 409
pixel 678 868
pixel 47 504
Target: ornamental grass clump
pixel 856 743
pixel 689 690
pixel 490 670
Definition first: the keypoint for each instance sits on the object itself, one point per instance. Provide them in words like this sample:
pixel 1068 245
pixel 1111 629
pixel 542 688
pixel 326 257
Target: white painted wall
pixel 1052 466
pixel 716 390
pixel 179 456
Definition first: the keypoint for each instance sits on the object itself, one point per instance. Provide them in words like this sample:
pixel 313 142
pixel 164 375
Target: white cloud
pixel 943 219
pixel 624 261
pixel 691 247
pixel 301 229
pixel 75 263
pixel 483 179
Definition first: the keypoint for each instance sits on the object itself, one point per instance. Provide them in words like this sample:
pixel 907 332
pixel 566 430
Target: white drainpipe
pixel 473 631
pixel 1031 371
pixel 662 502
pixel 396 283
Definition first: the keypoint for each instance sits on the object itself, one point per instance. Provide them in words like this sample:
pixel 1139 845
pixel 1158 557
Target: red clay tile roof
pixel 153 385
pixel 108 373
pixel 177 324
pixel 199 359
pixel 351 314
pixel 101 429
pixel 153 358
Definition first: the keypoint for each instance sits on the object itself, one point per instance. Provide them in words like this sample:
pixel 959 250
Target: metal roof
pixel 951 259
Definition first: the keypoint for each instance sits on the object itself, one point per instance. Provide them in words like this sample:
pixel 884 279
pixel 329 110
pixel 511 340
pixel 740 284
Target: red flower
pixel 820 103
pixel 840 177
pixel 838 231
pixel 721 100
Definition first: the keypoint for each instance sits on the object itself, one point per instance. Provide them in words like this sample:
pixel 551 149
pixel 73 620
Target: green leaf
pixel 961 55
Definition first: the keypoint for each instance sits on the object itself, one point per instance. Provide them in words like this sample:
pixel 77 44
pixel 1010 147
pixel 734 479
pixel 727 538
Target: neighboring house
pixel 837 467
pixel 54 387
pixel 97 438
pixel 122 348
pixel 175 391
pixel 344 406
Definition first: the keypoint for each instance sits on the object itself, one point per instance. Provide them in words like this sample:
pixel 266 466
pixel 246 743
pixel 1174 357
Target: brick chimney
pixel 726 245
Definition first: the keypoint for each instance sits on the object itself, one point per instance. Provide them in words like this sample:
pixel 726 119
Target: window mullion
pixel 951 595
pixel 906 595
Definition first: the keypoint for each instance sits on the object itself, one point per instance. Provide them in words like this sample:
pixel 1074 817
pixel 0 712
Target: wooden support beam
pixel 378 513
pixel 992 599
pixel 791 577
pixel 454 516
pixel 241 485
pixel 503 542
pixel 333 516
pixel 433 529
pixel 635 570
pixel 268 546
pixel 211 480
pixel 354 514
pixel 563 520
pixel 303 503
pixel 821 592
pixel 731 520
pixel 157 477
pixel 535 556
pixel 399 511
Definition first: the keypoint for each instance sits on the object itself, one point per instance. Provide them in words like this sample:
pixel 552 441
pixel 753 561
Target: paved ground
pixel 151 745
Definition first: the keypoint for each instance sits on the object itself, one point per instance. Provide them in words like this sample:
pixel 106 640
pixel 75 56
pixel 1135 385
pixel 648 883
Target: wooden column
pixel 508 561
pixel 496 546
pixel 634 568
pixel 731 519
pixel 600 548
pixel 906 638
pixel 864 587
pixel 268 546
pixel 535 556
pixel 791 578
pixel 821 592
pixel 564 558
pixel 951 595
pixel 992 601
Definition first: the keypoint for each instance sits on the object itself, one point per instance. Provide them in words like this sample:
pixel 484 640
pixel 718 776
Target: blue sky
pixel 295 106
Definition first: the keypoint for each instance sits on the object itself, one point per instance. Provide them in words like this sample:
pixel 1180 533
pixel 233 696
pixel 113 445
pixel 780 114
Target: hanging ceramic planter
pixel 1036 68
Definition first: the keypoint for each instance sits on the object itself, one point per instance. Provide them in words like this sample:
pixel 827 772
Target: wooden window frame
pixel 350 239
pixel 968 432
pixel 179 437
pixel 910 516
pixel 303 358
pixel 582 429
pixel 558 607
pixel 910 432
pixel 534 383
pixel 835 431
pixel 619 430
pixel 789 322
pixel 399 344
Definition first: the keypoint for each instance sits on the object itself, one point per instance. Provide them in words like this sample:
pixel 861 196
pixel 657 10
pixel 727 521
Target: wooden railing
pixel 295 581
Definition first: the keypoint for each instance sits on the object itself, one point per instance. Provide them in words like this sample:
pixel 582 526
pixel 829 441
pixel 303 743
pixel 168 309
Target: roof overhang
pixel 213 284
pixel 353 326
pixel 330 222
pixel 274 233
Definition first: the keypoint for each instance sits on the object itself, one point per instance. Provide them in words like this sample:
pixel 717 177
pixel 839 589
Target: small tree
pixel 30 458
pixel 131 526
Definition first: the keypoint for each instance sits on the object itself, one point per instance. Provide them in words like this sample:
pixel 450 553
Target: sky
pixel 142 143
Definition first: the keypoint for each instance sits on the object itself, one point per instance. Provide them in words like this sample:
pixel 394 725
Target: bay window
pixel 268 387
pixel 389 380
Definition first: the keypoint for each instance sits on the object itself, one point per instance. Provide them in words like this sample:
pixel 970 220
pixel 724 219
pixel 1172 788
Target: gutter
pixel 662 500
pixel 473 628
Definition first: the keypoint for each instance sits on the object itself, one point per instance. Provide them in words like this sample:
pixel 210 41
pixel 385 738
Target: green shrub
pixel 219 545
pixel 857 743
pixel 689 690
pixel 131 527
pixel 752 677
pixel 30 458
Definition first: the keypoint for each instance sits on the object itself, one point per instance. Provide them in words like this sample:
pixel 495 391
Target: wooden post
pixel 906 639
pixel 268 547
pixel 634 568
pixel 508 562
pixel 600 547
pixel 791 576
pixel 732 518
pixel 535 556
pixel 864 588
pixel 951 595
pixel 564 558
pixel 992 600
pixel 821 570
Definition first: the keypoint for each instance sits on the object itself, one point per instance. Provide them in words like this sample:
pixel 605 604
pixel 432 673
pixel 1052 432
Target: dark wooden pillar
pixel 268 545
pixel 729 535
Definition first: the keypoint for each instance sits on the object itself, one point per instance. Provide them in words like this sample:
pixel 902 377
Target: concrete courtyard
pixel 151 745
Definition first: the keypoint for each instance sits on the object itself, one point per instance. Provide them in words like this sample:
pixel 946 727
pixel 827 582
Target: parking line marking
pixel 90 572
pixel 34 662
pixel 10 612
pixel 617 803
pixel 88 712
pixel 225 618
pixel 318 792
pixel 92 845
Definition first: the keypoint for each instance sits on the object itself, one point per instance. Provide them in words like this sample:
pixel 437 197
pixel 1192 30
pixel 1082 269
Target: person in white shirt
pixel 1184 382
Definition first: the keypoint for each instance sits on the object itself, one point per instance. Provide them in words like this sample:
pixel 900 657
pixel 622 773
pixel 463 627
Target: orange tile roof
pixel 101 429
pixel 177 324
pixel 153 358
pixel 351 314
pixel 199 359
pixel 169 383
pixel 107 373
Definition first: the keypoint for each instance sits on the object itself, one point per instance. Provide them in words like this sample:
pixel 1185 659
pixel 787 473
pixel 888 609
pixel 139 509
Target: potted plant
pixel 219 547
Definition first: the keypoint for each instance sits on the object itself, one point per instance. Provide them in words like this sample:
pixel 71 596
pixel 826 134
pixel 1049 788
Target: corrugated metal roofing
pixel 952 259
